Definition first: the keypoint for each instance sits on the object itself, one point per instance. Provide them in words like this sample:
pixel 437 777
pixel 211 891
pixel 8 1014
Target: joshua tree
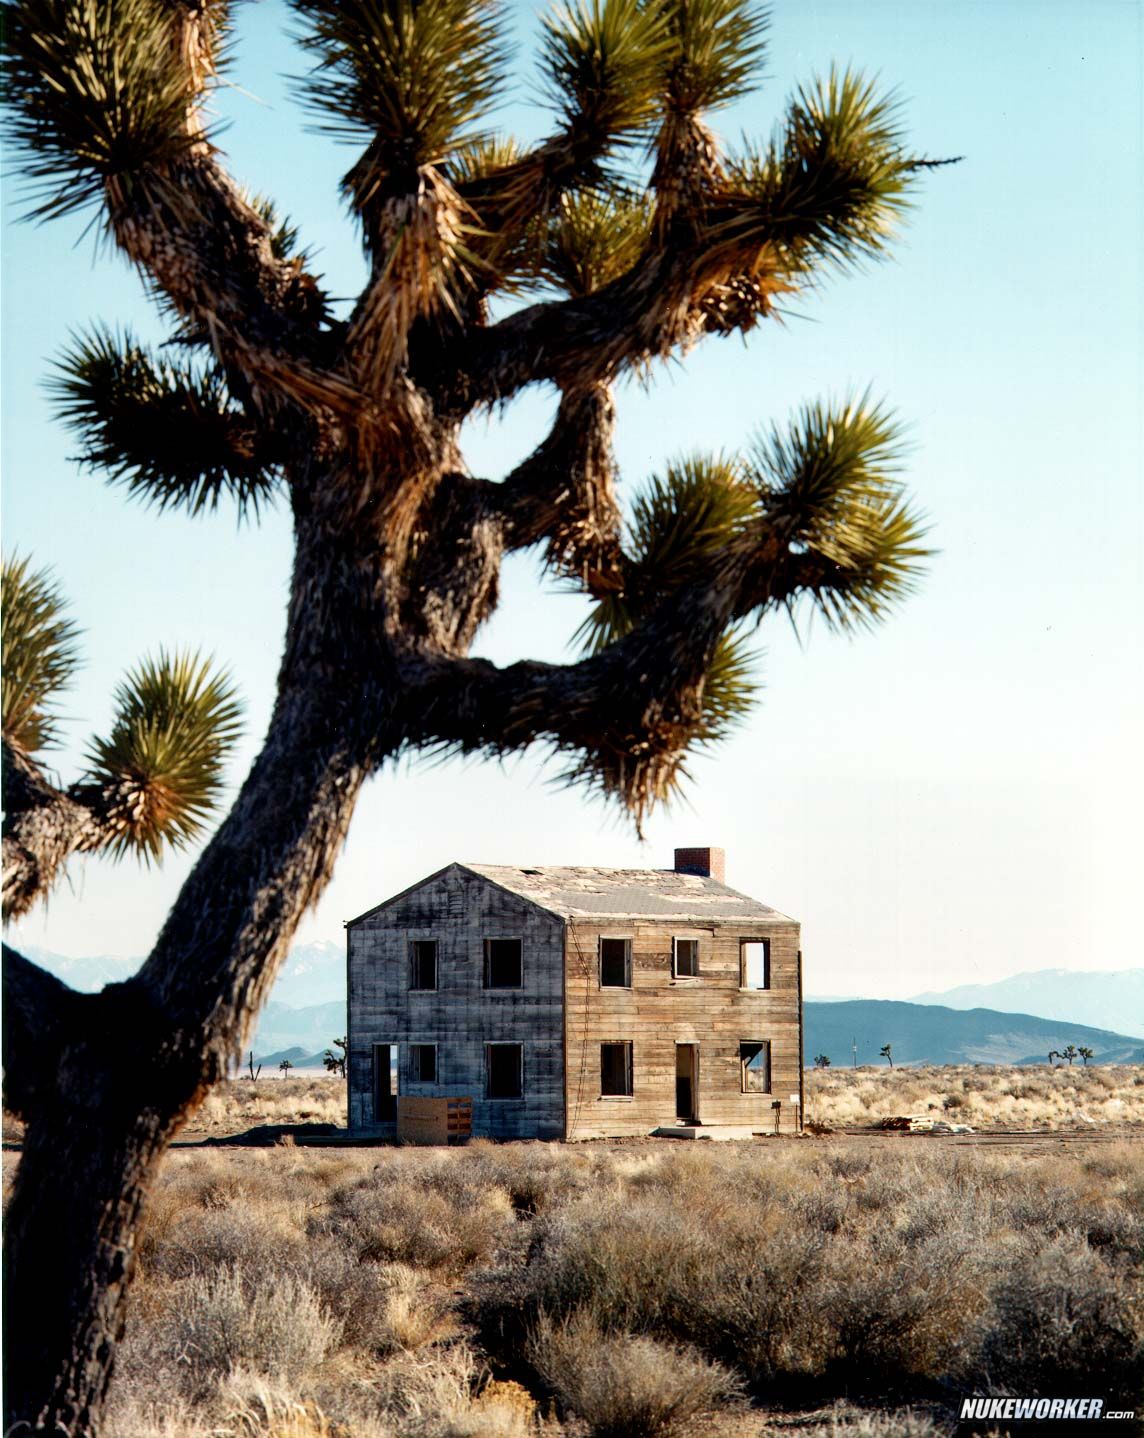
pixel 1069 1052
pixel 285 1066
pixel 336 1063
pixel 626 237
pixel 253 1072
pixel 887 1053
pixel 1053 1054
pixel 1085 1054
pixel 821 1061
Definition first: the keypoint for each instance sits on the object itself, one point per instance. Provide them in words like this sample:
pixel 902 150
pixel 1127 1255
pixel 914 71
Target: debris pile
pixel 922 1123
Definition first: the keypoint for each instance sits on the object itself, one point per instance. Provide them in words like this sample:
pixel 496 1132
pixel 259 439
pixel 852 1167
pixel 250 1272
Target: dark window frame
pixel 614 939
pixel 487 972
pixel 675 942
pixel 628 1091
pixel 504 1097
pixel 759 1045
pixel 416 1065
pixel 415 967
pixel 766 984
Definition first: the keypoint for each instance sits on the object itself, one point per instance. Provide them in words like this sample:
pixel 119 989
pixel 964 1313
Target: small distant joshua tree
pixel 887 1053
pixel 1085 1054
pixel 1069 1052
pixel 822 1061
pixel 285 1066
pixel 335 1062
pixel 253 1072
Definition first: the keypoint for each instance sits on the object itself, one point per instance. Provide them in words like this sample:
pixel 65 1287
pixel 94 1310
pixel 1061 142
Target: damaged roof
pixel 581 892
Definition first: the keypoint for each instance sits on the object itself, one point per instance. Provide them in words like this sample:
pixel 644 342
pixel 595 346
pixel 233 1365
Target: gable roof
pixel 581 893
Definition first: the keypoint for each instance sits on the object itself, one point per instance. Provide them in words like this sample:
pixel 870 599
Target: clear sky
pixel 950 799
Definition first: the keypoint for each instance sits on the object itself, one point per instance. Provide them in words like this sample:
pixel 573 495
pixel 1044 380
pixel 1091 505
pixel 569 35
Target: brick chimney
pixel 707 863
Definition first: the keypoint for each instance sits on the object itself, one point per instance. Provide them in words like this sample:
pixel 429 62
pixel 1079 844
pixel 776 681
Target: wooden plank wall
pixel 659 1011
pixel 460 910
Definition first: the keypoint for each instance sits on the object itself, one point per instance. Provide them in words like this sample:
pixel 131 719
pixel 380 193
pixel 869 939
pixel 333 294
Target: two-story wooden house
pixel 575 1003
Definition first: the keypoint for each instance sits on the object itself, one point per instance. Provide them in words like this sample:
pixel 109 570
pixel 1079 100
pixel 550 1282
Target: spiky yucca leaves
pixel 160 768
pixel 169 433
pixel 717 56
pixel 832 186
pixel 39 655
pixel 409 78
pixel 681 524
pixel 99 89
pixel 602 63
pixel 594 237
pixel 831 485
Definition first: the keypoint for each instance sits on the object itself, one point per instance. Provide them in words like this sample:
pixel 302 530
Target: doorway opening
pixel 384 1083
pixel 687 1082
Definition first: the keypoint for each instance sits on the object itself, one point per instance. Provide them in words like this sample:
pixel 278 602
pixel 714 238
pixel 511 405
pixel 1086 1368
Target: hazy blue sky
pixel 951 799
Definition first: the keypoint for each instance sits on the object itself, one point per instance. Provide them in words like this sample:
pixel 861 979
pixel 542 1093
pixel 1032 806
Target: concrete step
pixel 721 1132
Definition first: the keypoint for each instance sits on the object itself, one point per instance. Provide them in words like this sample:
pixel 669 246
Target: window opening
pixel 755 964
pixel 755 1062
pixel 685 958
pixel 503 964
pixel 616 1070
pixel 616 963
pixel 423 956
pixel 505 1065
pixel 423 1062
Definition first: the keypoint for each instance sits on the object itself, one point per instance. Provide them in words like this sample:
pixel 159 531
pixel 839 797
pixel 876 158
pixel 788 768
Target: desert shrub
pixel 271 1323
pixel 899 1309
pixel 626 1386
pixel 1056 1313
pixel 391 1219
pixel 741 1288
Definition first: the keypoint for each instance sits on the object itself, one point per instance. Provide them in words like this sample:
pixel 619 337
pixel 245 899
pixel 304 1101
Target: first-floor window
pixel 616 1070
pixel 685 958
pixel 423 1062
pixel 504 1065
pixel 755 1064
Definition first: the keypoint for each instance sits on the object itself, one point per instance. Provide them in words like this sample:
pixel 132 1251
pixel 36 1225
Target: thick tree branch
pixel 564 493
pixel 43 827
pixel 37 1012
pixel 210 252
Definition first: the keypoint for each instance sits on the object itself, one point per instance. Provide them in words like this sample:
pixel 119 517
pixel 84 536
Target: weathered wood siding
pixel 658 1012
pixel 459 910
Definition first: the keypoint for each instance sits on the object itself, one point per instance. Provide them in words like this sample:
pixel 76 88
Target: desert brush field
pixel 641 1289
pixel 983 1096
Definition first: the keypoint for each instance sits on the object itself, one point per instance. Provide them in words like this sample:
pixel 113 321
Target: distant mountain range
pixel 933 1034
pixel 1111 1000
pixel 307 1011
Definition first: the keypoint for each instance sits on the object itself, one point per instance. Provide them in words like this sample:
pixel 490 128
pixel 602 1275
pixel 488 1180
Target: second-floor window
pixel 504 964
pixel 423 964
pixel 615 963
pixel 755 964
pixel 685 958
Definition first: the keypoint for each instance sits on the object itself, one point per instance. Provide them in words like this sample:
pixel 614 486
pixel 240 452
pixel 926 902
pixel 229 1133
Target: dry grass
pixel 525 1290
pixel 551 1291
pixel 983 1096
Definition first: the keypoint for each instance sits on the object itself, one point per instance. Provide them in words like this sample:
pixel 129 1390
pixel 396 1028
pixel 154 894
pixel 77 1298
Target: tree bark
pixel 104 1081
